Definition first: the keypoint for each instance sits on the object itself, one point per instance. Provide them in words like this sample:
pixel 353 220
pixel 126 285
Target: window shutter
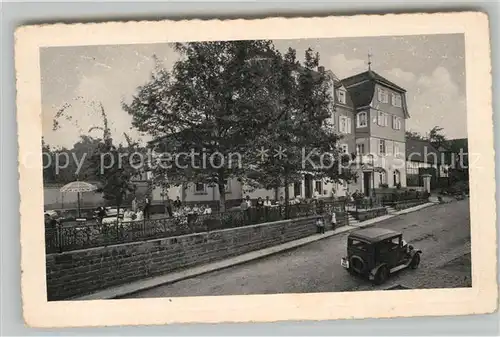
pixel 380 95
pixel 349 130
pixel 386 120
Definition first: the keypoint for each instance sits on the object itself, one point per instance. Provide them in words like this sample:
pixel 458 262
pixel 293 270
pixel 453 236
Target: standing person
pixel 320 225
pixel 245 208
pixel 259 207
pixel 147 208
pixel 282 201
pixel 267 207
pixel 334 220
pixel 248 201
pixel 168 207
pixel 134 205
pixel 177 203
pixel 316 194
pixel 101 214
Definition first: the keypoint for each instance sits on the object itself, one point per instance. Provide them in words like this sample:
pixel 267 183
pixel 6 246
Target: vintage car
pixel 376 253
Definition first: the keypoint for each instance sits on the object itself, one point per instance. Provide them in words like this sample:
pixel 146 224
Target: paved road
pixel 442 232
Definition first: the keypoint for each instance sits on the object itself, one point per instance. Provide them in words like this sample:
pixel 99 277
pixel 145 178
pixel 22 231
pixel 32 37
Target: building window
pixel 382 119
pixel 345 124
pixel 396 177
pixel 362 120
pixel 381 147
pixel 360 149
pixel 382 178
pixel 396 123
pixel 344 148
pixel 297 186
pixel 199 188
pixel 318 186
pixel 383 96
pixel 341 94
pixel 396 149
pixel 396 100
pixel 333 118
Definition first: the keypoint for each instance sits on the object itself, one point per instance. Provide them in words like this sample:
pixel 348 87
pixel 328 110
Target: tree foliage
pixel 303 127
pixel 212 105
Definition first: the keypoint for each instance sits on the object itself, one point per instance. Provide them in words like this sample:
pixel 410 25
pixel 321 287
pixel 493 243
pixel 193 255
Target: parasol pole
pixel 78 196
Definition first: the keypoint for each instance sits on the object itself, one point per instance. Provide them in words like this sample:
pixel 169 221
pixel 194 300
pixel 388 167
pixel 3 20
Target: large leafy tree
pixel 302 131
pixel 213 105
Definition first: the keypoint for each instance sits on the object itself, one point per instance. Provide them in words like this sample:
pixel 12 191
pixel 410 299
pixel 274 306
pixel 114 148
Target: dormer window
pixel 362 120
pixel 383 95
pixel 396 100
pixel 341 96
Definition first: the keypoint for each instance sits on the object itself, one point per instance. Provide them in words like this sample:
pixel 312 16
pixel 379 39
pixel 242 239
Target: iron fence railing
pixel 90 234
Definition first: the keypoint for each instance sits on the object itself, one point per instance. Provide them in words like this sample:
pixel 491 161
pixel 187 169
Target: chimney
pixel 321 69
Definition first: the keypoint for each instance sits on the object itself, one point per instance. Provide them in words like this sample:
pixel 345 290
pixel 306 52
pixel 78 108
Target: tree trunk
pixel 118 204
pixel 222 197
pixel 222 192
pixel 287 196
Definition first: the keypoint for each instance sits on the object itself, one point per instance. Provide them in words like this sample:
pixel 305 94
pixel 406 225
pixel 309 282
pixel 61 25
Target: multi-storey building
pixel 370 113
pixel 380 114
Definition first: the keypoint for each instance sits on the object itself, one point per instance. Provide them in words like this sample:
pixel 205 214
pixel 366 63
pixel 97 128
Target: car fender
pixel 374 271
pixel 413 252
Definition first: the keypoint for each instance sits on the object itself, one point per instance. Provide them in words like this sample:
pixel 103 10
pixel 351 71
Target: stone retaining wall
pixel 78 273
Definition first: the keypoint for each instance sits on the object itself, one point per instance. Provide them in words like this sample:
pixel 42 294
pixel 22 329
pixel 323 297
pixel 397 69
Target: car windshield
pixel 357 244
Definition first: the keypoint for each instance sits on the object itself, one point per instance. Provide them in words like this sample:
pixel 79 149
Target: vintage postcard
pixel 256 170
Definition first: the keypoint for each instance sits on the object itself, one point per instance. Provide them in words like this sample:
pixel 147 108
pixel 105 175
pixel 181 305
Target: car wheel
pixel 415 261
pixel 382 275
pixel 357 264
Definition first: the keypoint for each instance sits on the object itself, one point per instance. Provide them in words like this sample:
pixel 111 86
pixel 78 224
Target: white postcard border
pixel 481 298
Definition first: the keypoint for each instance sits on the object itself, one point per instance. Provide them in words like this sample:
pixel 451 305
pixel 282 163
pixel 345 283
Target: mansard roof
pixel 372 77
pixel 361 88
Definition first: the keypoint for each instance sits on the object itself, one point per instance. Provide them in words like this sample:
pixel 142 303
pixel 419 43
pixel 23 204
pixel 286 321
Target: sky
pixel 430 67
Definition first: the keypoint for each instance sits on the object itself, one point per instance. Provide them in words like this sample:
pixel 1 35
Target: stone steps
pixel 391 210
pixel 352 220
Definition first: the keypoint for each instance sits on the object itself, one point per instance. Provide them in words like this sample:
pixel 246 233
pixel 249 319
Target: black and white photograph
pixel 258 166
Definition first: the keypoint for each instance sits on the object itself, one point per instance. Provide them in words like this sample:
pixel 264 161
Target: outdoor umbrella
pixel 78 187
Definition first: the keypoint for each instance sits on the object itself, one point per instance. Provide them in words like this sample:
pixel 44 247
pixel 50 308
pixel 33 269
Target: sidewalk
pixel 120 291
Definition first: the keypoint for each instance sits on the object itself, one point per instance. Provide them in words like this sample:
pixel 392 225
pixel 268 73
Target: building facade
pixel 422 157
pixel 380 114
pixel 370 113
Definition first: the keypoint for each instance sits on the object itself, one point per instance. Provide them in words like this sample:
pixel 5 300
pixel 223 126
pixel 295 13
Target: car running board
pixel 400 267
